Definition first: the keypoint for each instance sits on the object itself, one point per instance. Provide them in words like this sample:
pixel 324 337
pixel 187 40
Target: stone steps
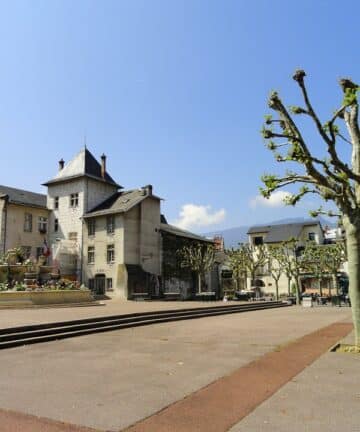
pixel 38 333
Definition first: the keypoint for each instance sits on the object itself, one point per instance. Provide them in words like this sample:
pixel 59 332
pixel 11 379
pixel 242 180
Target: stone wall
pixel 97 192
pixel 91 193
pixel 142 236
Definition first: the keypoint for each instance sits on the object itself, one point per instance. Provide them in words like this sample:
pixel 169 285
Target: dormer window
pixel 74 200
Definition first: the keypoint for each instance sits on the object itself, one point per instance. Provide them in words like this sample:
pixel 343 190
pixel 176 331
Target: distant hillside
pixel 234 236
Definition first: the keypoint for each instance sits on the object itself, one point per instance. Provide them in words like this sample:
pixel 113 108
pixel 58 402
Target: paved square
pixel 111 380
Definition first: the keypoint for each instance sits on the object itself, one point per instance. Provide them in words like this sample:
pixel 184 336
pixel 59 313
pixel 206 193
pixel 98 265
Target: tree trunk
pixel 289 286
pixel 353 253
pixel 199 282
pixel 320 287
pixel 276 289
pixel 298 294
pixel 335 283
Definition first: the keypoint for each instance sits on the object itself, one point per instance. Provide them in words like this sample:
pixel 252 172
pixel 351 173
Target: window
pixel 109 285
pixel 42 224
pixel 91 255
pixel 56 225
pixel 26 251
pixel 110 224
pixel 299 251
pixel 28 222
pixel 110 254
pixel 73 236
pixel 311 236
pixel 74 200
pixel 56 203
pixel 258 241
pixel 91 227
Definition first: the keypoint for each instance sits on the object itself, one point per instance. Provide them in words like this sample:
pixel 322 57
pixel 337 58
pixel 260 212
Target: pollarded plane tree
pixel 314 261
pixel 199 258
pixel 331 177
pixel 237 265
pixel 292 266
pixel 274 261
pixel 335 256
pixel 253 258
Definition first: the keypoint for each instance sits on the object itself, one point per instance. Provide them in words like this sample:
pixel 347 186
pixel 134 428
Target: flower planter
pixel 12 258
pixel 39 297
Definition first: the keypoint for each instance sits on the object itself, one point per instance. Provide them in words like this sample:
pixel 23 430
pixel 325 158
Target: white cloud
pixel 196 216
pixel 276 200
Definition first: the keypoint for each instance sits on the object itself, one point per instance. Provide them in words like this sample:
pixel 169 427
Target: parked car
pixel 244 295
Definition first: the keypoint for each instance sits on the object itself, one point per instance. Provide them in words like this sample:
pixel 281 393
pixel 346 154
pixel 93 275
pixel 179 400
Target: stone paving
pixel 324 397
pixel 109 381
pixel 19 317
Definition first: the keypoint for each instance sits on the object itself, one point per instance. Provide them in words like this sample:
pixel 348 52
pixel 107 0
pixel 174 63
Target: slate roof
pixel 23 197
pixel 259 229
pixel 83 164
pixel 171 229
pixel 281 232
pixel 120 202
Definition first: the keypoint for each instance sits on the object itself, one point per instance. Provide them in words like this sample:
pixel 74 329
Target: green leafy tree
pixel 331 177
pixel 199 258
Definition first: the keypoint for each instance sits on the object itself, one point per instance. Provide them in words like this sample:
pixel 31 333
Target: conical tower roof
pixel 83 164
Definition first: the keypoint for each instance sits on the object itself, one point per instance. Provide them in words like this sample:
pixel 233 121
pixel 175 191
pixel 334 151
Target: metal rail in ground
pixel 38 333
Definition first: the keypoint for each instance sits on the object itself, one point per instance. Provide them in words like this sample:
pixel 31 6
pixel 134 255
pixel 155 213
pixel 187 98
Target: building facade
pixel 272 235
pixel 107 238
pixel 24 218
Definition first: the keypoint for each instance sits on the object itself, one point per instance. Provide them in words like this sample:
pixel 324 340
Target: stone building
pixel 178 282
pixel 23 220
pixel 267 235
pixel 79 185
pixel 109 239
pixel 122 249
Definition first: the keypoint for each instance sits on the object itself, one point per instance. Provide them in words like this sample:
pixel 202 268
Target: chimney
pixel 103 165
pixel 147 189
pixel 61 164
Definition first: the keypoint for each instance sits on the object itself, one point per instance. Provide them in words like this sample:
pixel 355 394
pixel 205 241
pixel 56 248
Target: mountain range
pixel 233 236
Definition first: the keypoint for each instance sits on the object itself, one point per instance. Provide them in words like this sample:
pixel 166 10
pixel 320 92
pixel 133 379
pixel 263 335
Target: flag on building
pixel 46 249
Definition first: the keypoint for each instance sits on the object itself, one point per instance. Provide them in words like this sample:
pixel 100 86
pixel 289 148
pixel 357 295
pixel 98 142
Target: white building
pixel 79 185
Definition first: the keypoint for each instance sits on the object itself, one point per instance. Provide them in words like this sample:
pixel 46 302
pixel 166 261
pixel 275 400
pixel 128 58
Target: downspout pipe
pixel 6 198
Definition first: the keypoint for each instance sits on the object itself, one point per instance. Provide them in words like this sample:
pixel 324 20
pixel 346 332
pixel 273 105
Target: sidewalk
pixel 324 397
pixel 216 407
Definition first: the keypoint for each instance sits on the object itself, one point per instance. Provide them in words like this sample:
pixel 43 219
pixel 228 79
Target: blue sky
pixel 174 92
